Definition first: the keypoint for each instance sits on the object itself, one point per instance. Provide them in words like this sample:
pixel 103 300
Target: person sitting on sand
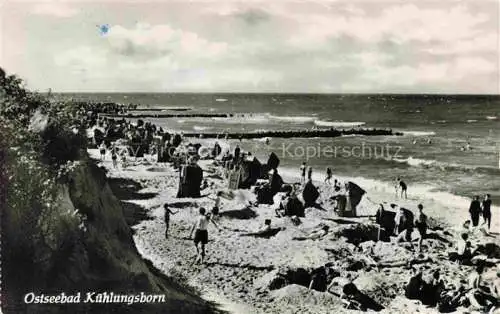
pixel 336 185
pixel 362 301
pixel 405 236
pixel 204 185
pixel 431 290
pixel 264 231
pixel 413 289
pixel 319 278
pixel 495 285
pixel 463 252
pixel 280 211
pixel 314 235
pixel 201 233
pixel 167 218
pixel 480 296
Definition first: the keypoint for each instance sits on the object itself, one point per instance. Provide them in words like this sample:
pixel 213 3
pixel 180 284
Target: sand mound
pixel 298 295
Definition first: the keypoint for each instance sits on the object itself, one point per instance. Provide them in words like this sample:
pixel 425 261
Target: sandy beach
pixel 240 270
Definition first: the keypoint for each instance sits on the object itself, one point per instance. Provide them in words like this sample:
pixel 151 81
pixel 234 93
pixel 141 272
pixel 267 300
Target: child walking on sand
pixel 167 218
pixel 102 150
pixel 217 205
pixel 201 233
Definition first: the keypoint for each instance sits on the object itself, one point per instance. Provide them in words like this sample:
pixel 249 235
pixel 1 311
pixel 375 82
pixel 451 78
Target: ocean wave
pixel 491 117
pixel 471 121
pixel 419 133
pixel 444 166
pixel 263 139
pixel 221 99
pixel 431 194
pixel 174 108
pixel 243 119
pixel 296 119
pixel 201 128
pixel 337 124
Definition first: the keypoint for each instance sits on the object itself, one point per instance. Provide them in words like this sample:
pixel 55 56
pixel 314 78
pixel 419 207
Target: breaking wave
pixel 419 133
pixel 337 124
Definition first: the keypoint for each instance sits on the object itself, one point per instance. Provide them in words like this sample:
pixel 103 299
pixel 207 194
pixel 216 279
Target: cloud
pixel 55 9
pixel 335 46
pixel 159 40
pixel 399 23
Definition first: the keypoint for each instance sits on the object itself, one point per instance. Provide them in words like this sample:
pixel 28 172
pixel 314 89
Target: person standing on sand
pixel 421 224
pixel 475 211
pixel 217 205
pixel 167 218
pixel 114 156
pixel 401 184
pixel 309 173
pixel 486 206
pixel 102 150
pixel 328 175
pixel 303 173
pixel 201 233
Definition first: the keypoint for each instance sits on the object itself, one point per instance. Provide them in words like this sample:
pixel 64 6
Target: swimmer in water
pixel 267 141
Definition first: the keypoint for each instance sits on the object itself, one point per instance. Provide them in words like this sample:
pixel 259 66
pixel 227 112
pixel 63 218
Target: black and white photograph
pixel 249 156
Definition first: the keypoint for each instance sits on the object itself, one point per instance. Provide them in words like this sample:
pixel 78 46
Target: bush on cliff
pixel 62 228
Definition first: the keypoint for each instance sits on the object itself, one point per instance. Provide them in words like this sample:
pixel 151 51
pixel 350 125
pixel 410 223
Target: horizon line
pixel 280 93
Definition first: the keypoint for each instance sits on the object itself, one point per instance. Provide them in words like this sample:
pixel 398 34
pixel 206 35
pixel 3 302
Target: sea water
pixel 431 155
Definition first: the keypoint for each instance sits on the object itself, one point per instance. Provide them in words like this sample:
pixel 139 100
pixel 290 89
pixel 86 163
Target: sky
pixel 280 46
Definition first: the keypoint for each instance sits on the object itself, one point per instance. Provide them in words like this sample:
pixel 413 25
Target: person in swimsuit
pixel 102 150
pixel 201 233
pixel 309 173
pixel 328 175
pixel 401 184
pixel 303 172
pixel 167 218
pixel 421 224
pixel 114 156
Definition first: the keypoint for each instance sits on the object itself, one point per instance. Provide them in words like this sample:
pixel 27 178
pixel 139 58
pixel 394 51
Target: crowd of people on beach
pixel 125 139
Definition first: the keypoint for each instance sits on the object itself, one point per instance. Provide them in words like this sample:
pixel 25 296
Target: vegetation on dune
pixel 62 229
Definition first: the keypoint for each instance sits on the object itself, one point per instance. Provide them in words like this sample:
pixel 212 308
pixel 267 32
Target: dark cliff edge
pixel 93 254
